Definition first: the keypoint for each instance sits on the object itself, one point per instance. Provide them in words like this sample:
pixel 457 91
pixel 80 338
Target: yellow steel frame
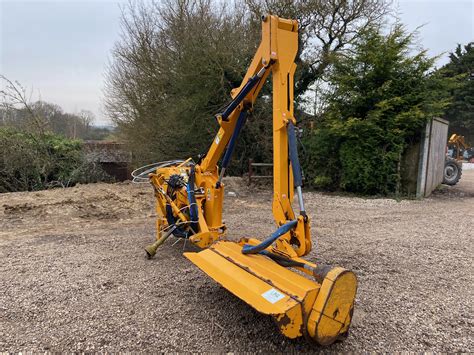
pixel 276 52
pixel 320 310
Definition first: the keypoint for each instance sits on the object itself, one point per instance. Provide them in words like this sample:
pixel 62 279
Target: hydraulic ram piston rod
pixel 295 164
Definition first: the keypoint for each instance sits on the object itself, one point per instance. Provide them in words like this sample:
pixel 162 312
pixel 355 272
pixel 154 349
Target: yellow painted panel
pixel 244 285
pixel 266 269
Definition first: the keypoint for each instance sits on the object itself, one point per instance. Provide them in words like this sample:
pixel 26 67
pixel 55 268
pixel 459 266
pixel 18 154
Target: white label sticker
pixel 273 295
pixel 219 137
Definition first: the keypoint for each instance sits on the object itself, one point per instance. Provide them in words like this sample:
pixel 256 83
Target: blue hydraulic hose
pixel 254 249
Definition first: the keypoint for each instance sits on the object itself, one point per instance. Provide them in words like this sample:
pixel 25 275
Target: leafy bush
pixel 320 159
pixel 38 161
pixel 381 100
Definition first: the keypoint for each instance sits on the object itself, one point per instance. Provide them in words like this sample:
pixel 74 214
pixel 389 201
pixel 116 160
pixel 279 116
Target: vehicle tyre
pixel 452 172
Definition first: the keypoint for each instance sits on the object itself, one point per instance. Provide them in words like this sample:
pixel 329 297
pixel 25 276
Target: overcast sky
pixel 61 48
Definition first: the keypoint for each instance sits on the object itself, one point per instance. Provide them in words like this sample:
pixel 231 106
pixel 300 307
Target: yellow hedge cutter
pixel 189 205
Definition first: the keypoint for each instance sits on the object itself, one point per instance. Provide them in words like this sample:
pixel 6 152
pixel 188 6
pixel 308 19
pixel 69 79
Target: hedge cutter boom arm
pixel 189 205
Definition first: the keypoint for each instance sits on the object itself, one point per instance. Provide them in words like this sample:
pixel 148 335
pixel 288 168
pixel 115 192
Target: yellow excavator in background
pixel 190 197
pixel 458 145
pixel 454 159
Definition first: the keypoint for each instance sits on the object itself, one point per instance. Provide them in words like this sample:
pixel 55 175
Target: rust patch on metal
pixel 283 321
pixel 320 272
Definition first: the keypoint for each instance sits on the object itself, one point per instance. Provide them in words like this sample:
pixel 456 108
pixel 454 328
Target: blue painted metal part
pixel 254 249
pixel 193 208
pixel 178 232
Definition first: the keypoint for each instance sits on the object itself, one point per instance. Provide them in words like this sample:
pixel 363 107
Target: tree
pixel 177 61
pixel 18 110
pixel 326 28
pixel 381 100
pixel 172 71
pixel 461 113
pixel 35 149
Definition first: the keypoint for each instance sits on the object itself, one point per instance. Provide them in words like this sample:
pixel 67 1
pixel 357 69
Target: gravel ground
pixel 73 275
